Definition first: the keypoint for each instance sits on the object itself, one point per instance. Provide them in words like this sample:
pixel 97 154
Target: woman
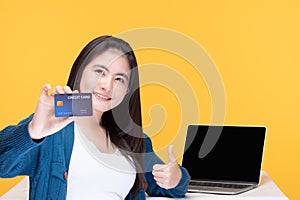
pixel 58 154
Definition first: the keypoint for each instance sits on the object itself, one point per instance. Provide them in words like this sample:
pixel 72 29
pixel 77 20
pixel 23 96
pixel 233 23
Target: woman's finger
pixel 159 174
pixel 67 89
pixel 46 89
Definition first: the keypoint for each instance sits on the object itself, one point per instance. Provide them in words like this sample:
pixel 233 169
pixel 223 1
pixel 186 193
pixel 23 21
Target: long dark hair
pixel 123 124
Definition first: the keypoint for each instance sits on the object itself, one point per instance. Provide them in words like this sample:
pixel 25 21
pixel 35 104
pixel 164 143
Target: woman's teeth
pixel 102 96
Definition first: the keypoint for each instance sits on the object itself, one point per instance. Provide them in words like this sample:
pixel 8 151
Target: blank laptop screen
pixel 236 156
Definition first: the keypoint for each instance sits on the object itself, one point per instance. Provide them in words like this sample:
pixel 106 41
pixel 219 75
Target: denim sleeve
pixel 153 189
pixel 18 152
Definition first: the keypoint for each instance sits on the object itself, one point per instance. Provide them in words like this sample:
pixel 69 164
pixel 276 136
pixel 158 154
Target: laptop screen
pixel 236 154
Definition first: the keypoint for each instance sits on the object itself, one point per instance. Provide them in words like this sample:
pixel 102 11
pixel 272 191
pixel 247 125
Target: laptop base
pixel 218 190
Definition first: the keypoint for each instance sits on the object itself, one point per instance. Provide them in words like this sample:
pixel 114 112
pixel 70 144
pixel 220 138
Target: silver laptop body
pixel 223 159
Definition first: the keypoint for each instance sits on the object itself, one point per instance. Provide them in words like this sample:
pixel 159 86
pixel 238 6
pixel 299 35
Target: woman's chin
pixel 99 109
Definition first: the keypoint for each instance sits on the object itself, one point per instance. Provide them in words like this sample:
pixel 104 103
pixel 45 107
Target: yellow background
pixel 255 45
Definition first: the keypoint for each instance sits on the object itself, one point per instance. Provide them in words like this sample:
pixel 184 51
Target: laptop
pixel 223 159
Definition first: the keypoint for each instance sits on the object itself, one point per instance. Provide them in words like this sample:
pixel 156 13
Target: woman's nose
pixel 106 83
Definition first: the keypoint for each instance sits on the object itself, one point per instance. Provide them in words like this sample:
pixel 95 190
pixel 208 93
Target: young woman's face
pixel 107 78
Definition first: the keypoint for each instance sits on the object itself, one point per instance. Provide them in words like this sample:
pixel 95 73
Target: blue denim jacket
pixel 47 162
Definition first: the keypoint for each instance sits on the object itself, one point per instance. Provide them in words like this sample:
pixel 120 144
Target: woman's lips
pixel 102 97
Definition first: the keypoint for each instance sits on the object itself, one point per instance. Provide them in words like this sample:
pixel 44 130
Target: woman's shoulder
pixel 148 143
pixel 147 138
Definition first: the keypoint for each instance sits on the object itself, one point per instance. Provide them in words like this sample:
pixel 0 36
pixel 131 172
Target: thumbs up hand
pixel 167 175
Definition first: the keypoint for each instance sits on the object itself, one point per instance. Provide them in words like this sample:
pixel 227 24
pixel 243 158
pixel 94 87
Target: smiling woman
pixel 62 154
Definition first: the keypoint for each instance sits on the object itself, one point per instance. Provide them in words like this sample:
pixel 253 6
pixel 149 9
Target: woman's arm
pixel 18 152
pixel 153 188
pixel 19 145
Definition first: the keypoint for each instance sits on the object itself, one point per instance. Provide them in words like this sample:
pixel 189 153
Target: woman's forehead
pixel 112 59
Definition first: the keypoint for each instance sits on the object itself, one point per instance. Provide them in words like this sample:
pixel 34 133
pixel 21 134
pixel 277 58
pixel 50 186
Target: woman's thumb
pixel 172 157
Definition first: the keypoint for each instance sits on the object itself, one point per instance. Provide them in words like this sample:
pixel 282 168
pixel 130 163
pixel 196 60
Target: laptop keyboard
pixel 221 185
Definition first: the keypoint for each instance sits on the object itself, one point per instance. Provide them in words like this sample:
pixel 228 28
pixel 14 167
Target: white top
pixel 96 175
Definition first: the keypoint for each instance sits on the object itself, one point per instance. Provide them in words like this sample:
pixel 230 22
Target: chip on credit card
pixel 75 104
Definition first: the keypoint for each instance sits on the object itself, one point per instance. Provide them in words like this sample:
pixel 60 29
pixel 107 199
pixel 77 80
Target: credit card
pixel 77 104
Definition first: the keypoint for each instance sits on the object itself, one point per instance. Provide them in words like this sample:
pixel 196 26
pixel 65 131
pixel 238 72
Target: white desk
pixel 267 190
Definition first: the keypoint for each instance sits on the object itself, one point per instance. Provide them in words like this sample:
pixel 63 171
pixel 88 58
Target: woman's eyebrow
pixel 117 74
pixel 102 66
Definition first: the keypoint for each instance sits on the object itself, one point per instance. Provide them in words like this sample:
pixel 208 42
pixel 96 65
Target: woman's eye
pixel 100 72
pixel 121 80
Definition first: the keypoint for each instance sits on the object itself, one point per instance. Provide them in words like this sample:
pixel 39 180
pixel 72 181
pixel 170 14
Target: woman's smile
pixel 101 97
